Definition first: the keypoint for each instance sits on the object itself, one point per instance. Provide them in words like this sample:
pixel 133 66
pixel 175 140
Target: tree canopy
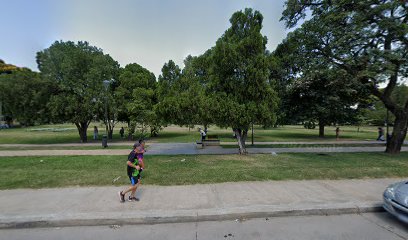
pixel 137 96
pixel 312 88
pixel 366 39
pixel 228 85
pixel 78 70
pixel 183 96
pixel 239 77
pixel 24 96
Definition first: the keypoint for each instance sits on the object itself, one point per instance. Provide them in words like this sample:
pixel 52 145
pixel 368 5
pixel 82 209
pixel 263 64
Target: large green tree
pixel 137 96
pixel 197 96
pixel 24 96
pixel 78 70
pixel 170 106
pixel 239 77
pixel 314 89
pixel 184 98
pixel 367 39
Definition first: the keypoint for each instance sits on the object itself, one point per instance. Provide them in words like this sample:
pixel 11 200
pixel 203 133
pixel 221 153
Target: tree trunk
pixel 110 125
pixel 82 130
pixel 396 141
pixel 244 136
pixel 153 132
pixel 321 129
pixel 241 136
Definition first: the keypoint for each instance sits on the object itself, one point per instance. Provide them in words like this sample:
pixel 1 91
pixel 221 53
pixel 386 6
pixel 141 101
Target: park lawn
pixel 49 134
pixel 48 147
pixel 31 136
pixel 288 133
pixel 67 133
pixel 64 171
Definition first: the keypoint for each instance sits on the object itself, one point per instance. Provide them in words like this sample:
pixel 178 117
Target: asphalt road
pixel 370 226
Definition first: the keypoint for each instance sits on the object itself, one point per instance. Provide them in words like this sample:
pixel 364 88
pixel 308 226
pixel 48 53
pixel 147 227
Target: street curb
pixel 190 218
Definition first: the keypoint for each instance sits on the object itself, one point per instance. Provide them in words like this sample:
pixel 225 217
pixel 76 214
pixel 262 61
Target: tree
pixel 197 95
pixel 137 94
pixel 78 70
pixel 376 113
pixel 241 94
pixel 7 68
pixel 130 77
pixel 24 96
pixel 184 97
pixel 323 97
pixel 283 69
pixel 169 91
pixel 367 39
pixel 315 90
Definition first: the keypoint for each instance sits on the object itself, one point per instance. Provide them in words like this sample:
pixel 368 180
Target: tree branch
pixel 388 103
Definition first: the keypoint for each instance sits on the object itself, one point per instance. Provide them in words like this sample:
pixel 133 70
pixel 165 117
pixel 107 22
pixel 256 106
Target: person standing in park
pixel 121 132
pixel 337 133
pixel 380 134
pixel 202 133
pixel 95 133
pixel 133 173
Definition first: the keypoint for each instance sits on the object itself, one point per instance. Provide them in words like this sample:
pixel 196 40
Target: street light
pixel 106 84
pixel 386 137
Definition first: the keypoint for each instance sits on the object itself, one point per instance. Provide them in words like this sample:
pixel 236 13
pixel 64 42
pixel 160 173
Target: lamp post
pixel 252 135
pixel 386 137
pixel 106 84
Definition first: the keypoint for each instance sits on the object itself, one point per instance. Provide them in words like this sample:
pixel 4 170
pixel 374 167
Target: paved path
pixel 190 149
pixel 129 143
pixel 100 205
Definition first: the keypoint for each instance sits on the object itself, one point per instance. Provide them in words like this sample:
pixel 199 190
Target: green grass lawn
pixel 67 133
pixel 49 134
pixel 63 171
pixel 280 134
pixel 17 148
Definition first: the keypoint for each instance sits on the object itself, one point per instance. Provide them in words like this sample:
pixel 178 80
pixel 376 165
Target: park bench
pixel 212 140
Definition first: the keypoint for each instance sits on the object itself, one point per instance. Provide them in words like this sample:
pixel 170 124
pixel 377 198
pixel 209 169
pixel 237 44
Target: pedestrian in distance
pixel 133 172
pixel 95 133
pixel 202 133
pixel 121 132
pixel 380 134
pixel 337 133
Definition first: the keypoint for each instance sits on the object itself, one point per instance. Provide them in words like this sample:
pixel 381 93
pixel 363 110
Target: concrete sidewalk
pixel 158 204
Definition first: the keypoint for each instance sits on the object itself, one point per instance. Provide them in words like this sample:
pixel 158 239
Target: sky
pixel 147 32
